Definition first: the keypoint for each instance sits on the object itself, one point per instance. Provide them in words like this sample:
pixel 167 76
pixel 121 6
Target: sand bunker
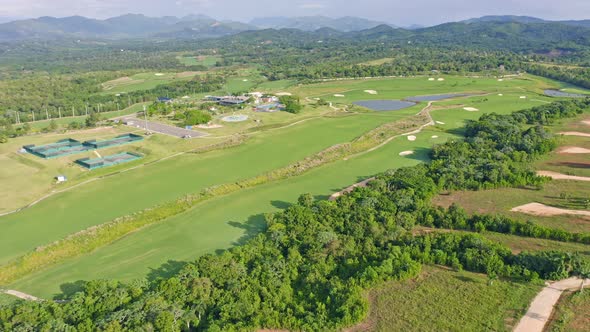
pixel 586 122
pixel 522 97
pixel 470 109
pixel 573 150
pixel 559 176
pixel 575 133
pixel 209 126
pixel 431 79
pixel 441 79
pixel 406 153
pixel 542 210
pixel 500 94
pixel 244 80
pixel 500 80
pixel 411 138
pixel 440 122
pixel 283 94
pixel 371 92
pixel 159 74
pixel 434 136
pixel 338 95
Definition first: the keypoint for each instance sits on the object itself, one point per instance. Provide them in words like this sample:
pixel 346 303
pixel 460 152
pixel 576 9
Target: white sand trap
pixel 284 94
pixel 371 92
pixel 441 79
pixel 209 126
pixel 434 136
pixel 542 210
pixel 439 122
pixel 559 176
pixel 431 79
pixel 575 133
pixel 500 80
pixel 159 74
pixel 500 94
pixel 406 153
pixel 411 138
pixel 522 97
pixel 338 95
pixel 470 109
pixel 573 150
pixel 185 97
pixel 244 80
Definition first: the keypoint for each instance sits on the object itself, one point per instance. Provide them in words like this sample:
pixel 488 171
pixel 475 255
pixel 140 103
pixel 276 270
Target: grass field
pixel 445 300
pixel 572 313
pixel 201 60
pixel 227 220
pixel 121 194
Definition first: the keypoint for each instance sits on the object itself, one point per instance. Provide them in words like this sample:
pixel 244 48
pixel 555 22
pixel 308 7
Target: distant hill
pixel 505 19
pixel 312 23
pixel 125 26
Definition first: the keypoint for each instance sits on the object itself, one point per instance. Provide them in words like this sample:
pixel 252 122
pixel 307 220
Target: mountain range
pixel 201 26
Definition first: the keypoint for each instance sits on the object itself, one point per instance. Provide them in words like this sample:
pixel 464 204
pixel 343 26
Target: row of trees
pixel 308 269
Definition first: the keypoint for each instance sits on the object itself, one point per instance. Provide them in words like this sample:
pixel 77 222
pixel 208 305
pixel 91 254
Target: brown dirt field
pixel 542 210
pixel 575 133
pixel 586 122
pixel 573 150
pixel 559 176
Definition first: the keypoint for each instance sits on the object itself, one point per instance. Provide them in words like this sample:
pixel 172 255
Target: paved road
pixel 542 306
pixel 162 128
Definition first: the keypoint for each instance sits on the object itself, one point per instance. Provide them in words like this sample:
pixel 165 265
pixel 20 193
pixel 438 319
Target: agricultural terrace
pixel 232 218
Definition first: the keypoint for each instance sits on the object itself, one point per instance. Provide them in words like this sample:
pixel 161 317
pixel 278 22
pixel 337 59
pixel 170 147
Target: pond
pixel 384 105
pixel 557 93
pixel 437 97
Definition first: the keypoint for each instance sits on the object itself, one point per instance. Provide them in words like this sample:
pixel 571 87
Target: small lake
pixel 437 97
pixel 557 93
pixel 384 105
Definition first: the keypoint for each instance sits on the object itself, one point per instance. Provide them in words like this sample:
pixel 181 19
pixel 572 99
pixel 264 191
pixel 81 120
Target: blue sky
pixel 399 12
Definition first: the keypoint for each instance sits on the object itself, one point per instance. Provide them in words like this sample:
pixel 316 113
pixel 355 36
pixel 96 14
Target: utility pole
pixel 17 116
pixel 33 112
pixel 46 113
pixel 59 112
pixel 73 112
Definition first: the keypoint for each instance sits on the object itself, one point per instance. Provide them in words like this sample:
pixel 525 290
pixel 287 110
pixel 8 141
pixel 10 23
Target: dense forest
pixel 308 269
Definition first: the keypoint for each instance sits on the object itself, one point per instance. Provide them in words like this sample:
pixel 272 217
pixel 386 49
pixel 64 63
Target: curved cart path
pixel 543 304
pixel 21 295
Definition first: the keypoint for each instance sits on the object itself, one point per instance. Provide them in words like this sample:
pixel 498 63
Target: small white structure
pixel 61 178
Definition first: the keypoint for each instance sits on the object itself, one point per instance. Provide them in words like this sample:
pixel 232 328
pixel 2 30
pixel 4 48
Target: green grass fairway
pixel 112 197
pixel 444 300
pixel 226 220
pixel 399 88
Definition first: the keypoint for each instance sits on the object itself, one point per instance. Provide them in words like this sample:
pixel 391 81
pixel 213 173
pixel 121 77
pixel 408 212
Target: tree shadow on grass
pixel 166 270
pixel 253 226
pixel 465 279
pixel 280 204
pixel 421 154
pixel 68 289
